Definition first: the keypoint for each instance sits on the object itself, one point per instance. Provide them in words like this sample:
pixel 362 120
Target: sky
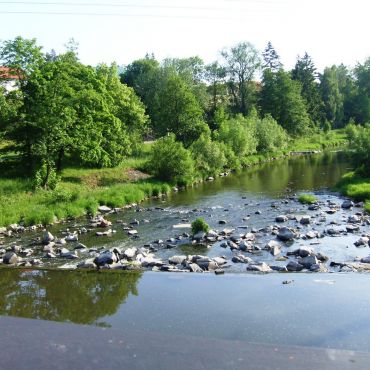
pixel 330 31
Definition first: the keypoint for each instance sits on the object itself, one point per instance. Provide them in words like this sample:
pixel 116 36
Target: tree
pixel 281 97
pixel 242 62
pixel 71 109
pixel 362 96
pixel 177 110
pixel 305 72
pixel 124 104
pixel 331 96
pixel 22 56
pixel 215 76
pixel 271 58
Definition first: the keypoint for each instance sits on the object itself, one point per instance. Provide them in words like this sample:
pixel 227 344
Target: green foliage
pixel 367 206
pixel 281 97
pixel 307 199
pixel 46 177
pixel 355 186
pixel 170 161
pixel 208 156
pixel 177 111
pixel 360 143
pixel 199 225
pixel 242 63
pixel 238 134
pixel 270 135
pixel 305 72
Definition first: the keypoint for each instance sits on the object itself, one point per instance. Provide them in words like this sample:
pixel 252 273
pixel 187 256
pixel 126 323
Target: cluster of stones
pixel 303 258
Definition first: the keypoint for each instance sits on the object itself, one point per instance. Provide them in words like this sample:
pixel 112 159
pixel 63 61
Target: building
pixel 9 78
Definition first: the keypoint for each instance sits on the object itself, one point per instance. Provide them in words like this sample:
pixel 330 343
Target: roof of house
pixel 8 73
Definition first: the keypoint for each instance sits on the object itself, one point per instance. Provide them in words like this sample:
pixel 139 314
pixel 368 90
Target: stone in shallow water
pixel 47 237
pixel 104 209
pixel 281 218
pixel 177 260
pixel 10 258
pixel 347 204
pixel 305 220
pixel 294 266
pixel 259 267
pixel 286 234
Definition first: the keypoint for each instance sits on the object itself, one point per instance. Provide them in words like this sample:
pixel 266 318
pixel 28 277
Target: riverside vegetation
pixel 72 135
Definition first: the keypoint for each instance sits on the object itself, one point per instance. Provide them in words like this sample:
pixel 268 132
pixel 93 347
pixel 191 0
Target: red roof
pixel 8 73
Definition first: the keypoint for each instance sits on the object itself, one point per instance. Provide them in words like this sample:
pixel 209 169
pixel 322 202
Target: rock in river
pixel 285 234
pixel 10 258
pixel 47 237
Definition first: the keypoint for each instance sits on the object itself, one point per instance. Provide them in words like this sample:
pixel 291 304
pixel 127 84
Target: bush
pixel 307 199
pixel 239 135
pixel 270 135
pixel 208 156
pixel 170 161
pixel 360 142
pixel 199 225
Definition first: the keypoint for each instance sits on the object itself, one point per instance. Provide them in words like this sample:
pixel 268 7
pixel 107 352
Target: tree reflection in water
pixel 74 296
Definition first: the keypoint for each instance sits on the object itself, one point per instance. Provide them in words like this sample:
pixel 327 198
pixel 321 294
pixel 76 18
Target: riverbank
pixel 81 191
pixel 356 187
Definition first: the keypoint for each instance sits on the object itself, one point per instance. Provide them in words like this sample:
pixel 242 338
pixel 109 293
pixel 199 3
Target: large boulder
pixel 10 258
pixel 106 258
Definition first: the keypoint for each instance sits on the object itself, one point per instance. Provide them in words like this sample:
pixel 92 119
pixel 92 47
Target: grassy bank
pixel 81 191
pixel 356 187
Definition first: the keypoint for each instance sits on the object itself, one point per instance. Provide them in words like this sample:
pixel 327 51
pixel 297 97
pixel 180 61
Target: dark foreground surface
pixel 183 321
pixel 32 344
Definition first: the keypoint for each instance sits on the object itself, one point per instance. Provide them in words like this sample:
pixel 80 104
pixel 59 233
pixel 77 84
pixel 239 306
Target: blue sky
pixel 331 31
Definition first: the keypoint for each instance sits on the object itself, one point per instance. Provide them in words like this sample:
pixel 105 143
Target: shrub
pixel 270 135
pixel 199 225
pixel 170 161
pixel 208 156
pixel 307 199
pixel 360 143
pixel 239 135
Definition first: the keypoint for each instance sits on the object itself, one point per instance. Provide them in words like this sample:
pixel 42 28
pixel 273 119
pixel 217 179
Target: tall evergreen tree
pixel 305 72
pixel 271 59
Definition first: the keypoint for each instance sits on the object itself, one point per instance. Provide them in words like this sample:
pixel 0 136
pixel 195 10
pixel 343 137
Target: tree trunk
pixel 59 160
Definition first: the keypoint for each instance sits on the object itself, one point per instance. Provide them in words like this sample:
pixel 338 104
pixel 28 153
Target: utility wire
pixel 125 15
pixel 128 5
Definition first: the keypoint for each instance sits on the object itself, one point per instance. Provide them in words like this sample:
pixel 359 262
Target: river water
pixel 328 310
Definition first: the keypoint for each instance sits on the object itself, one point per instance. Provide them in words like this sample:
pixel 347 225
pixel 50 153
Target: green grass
pixel 307 199
pixel 356 187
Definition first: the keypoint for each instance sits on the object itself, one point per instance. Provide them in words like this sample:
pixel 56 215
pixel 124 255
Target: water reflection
pixel 308 173
pixel 78 297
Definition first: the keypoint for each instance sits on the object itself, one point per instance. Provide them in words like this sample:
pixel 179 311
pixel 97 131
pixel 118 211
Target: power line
pixel 124 15
pixel 128 5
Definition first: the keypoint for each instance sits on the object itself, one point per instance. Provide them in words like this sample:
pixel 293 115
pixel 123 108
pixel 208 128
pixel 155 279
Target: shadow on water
pixel 77 297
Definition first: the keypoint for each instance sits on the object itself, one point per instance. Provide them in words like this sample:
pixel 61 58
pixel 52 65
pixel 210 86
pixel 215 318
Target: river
pixel 329 309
